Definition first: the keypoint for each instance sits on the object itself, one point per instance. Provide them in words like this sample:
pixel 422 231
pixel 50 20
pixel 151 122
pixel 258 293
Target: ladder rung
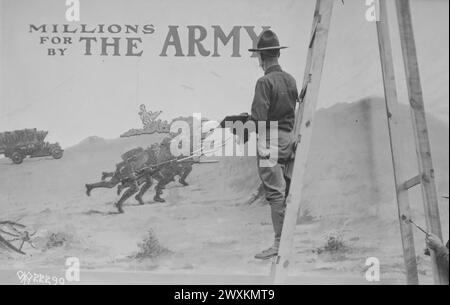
pixel 412 182
pixel 303 93
pixel 313 36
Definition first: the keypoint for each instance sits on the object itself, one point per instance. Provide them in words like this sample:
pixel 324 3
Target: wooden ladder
pixel 303 132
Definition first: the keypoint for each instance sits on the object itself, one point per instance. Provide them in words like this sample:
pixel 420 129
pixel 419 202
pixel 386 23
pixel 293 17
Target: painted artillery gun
pixel 19 144
pixel 13 237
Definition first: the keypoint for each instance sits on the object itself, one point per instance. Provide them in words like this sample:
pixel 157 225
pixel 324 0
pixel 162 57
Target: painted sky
pixel 77 96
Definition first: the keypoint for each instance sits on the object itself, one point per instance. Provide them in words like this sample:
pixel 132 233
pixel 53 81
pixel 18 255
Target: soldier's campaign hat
pixel 267 41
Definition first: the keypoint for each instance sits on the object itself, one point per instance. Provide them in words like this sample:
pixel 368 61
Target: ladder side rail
pixel 397 145
pixel 305 130
pixel 423 147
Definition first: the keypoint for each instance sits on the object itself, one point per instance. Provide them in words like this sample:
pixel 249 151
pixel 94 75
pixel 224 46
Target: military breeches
pixel 275 181
pixel 186 169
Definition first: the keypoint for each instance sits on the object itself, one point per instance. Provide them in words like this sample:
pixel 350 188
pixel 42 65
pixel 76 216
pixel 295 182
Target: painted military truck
pixel 19 144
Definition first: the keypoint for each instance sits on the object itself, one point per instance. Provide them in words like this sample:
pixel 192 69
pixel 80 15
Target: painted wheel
pixel 17 157
pixel 57 154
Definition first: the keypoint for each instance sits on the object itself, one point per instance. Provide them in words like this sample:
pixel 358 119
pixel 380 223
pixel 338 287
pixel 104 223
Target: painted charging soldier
pixel 142 179
pixel 170 170
pixel 173 166
pixel 146 175
pixel 275 99
pixel 126 172
pixel 159 164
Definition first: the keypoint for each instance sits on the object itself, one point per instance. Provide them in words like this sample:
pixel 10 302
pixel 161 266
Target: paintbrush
pixel 404 218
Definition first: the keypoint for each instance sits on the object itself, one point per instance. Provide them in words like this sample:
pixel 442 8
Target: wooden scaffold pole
pixel 423 149
pixel 303 132
pixel 397 144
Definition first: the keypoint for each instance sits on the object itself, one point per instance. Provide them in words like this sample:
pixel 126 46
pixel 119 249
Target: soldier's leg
pixel 273 179
pixel 257 195
pixel 144 188
pixel 288 169
pixel 127 184
pixel 134 187
pixel 122 186
pixel 159 189
pixel 106 175
pixel 103 184
pixel 186 170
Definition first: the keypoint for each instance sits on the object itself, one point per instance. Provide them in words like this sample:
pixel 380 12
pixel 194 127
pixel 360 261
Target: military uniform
pixel 149 173
pixel 185 168
pixel 275 99
pixel 164 174
pixel 125 173
pixel 134 161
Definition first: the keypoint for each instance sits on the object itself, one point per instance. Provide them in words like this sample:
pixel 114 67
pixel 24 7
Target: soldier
pixel 161 165
pixel 153 173
pixel 275 100
pixel 134 161
pixel 167 172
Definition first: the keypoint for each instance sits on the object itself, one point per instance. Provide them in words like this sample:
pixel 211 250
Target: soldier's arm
pixel 261 102
pixel 260 112
pixel 434 243
pixel 442 255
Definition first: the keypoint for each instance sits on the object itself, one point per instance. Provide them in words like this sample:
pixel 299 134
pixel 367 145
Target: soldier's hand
pixel 245 115
pixel 433 242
